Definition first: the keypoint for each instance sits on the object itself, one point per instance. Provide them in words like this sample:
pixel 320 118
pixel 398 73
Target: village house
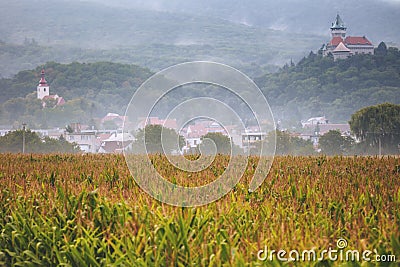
pixel 314 121
pixel 116 143
pixel 251 136
pixel 313 132
pixel 85 139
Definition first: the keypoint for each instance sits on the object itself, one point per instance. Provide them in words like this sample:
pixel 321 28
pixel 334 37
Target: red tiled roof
pixel 356 40
pixel 350 40
pixel 101 137
pixel 170 123
pixel 336 40
pixel 114 117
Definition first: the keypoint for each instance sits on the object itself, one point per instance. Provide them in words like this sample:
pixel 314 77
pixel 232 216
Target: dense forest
pixel 295 16
pixel 318 86
pixel 90 90
pixel 70 31
pixel 315 86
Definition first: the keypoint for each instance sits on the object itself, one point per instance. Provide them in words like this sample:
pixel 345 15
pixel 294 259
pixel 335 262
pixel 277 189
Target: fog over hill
pixel 255 36
pixel 84 31
pixel 375 18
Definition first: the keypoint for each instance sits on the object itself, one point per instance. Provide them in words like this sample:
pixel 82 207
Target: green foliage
pixel 12 142
pixel 333 143
pixel 77 80
pixel 222 143
pixel 91 90
pixel 286 144
pixel 381 50
pixel 379 123
pixel 148 140
pixel 148 38
pixel 319 86
pixel 315 86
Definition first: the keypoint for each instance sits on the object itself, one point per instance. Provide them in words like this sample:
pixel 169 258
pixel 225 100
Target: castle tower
pixel 338 29
pixel 43 89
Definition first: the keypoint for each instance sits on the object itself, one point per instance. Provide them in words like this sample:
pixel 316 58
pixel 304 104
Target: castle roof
pixel 336 41
pixel 356 40
pixel 349 40
pixel 341 48
pixel 338 24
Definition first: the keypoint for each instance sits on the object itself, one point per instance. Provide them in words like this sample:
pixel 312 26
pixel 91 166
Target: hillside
pixel 254 36
pixel 66 31
pixel 318 86
pixel 375 18
pixel 90 89
pixel 315 86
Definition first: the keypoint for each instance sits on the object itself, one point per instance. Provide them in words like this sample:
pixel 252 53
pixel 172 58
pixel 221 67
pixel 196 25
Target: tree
pixel 381 50
pixel 222 142
pixel 333 143
pixel 151 137
pixel 286 144
pixel 378 126
pixel 12 142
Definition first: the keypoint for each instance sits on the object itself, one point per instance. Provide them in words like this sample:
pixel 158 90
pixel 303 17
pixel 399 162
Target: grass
pixel 87 210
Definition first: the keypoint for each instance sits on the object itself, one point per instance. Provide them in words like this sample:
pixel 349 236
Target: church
pixel 342 46
pixel 43 92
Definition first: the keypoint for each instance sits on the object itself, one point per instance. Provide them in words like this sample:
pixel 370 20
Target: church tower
pixel 338 29
pixel 43 89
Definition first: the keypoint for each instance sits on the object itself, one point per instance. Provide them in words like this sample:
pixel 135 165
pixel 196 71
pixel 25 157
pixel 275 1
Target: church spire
pixel 43 81
pixel 43 89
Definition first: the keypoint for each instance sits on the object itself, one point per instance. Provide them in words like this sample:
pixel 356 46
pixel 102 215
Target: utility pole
pixel 380 141
pixel 23 137
pixel 380 147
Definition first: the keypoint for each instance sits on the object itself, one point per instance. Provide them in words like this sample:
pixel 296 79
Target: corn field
pixel 86 210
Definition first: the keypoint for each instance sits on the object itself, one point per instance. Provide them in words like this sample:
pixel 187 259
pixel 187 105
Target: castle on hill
pixel 43 92
pixel 342 46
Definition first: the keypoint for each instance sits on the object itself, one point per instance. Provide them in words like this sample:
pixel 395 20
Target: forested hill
pixel 315 86
pixel 35 31
pixel 318 86
pixel 91 90
pixel 77 80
